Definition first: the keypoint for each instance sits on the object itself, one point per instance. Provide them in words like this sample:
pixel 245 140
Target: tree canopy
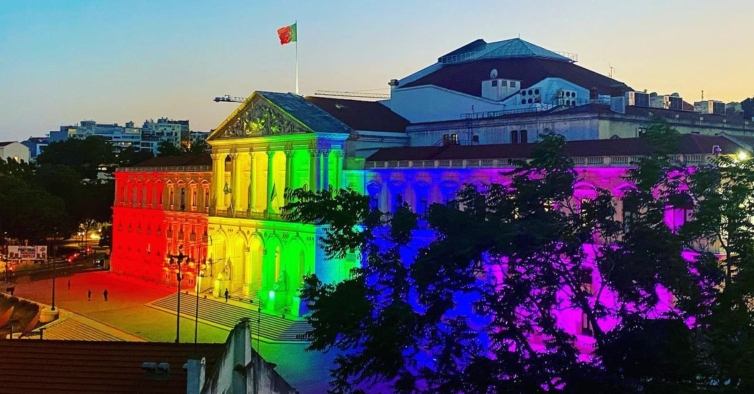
pixel 83 155
pixel 472 297
pixel 167 148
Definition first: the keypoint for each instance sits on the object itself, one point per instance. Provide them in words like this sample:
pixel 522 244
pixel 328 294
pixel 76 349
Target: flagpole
pixel 296 24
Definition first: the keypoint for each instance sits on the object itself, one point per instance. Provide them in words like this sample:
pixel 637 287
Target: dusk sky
pixel 112 61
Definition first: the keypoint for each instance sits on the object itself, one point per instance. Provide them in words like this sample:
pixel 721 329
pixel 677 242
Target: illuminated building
pixel 443 127
pixel 161 204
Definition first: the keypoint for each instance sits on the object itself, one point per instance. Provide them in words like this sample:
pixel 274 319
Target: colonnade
pixel 318 178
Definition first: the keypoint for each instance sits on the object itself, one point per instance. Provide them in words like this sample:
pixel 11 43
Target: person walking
pixel 89 295
pixel 104 293
pixel 227 295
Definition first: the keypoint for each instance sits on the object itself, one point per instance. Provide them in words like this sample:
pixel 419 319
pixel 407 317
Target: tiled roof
pixel 201 159
pixel 507 49
pixel 33 366
pixel 688 144
pixel 305 112
pixel 467 77
pixel 361 115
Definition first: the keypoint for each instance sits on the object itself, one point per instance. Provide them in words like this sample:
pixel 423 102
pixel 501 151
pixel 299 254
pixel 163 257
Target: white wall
pixel 15 150
pixel 431 104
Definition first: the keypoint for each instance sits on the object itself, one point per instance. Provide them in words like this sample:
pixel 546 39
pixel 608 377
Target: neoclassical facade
pixel 160 210
pixel 272 143
pixel 223 209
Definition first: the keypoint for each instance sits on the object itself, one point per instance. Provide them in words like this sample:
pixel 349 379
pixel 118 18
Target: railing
pixel 255 215
pixel 495 114
pixel 166 169
pixel 589 161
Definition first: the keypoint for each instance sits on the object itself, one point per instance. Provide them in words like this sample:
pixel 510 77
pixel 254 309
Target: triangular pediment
pixel 256 117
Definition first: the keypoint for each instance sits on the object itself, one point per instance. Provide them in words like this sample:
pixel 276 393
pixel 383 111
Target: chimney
pixel 393 84
pixel 195 375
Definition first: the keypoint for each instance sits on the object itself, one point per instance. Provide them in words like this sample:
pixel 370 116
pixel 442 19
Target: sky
pixel 113 61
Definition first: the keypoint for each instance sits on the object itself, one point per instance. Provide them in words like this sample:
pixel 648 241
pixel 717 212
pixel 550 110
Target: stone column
pixel 235 183
pixel 325 169
pixel 270 180
pixel 218 179
pixel 253 181
pixel 288 170
pixel 313 169
pixel 337 182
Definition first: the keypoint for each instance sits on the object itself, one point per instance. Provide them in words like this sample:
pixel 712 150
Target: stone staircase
pixel 73 330
pixel 224 314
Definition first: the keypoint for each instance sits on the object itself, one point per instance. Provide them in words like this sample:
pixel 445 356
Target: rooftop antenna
pixel 612 70
pixel 702 94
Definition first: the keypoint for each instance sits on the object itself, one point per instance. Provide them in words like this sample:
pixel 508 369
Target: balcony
pixel 229 213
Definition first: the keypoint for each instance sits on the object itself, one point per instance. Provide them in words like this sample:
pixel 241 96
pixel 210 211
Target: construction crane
pixel 228 99
pixel 351 94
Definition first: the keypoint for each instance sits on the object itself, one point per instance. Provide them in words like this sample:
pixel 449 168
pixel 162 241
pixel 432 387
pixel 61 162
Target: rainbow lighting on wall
pixel 224 208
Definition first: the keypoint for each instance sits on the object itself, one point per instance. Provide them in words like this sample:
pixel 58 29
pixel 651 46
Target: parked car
pixel 99 263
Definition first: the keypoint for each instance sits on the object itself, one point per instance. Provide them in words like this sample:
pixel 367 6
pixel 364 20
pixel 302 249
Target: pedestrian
pixel 227 295
pixel 89 295
pixel 104 293
pixel 69 284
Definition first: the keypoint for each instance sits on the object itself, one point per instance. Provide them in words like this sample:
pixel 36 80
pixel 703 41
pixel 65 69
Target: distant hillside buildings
pixel 147 137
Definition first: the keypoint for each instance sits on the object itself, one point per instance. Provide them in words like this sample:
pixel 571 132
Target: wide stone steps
pixel 228 314
pixel 73 330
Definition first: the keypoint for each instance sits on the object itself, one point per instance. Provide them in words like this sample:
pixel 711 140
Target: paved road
pixel 126 310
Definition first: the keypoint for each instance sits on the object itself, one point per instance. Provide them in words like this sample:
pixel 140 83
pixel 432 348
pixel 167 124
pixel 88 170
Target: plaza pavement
pixel 127 310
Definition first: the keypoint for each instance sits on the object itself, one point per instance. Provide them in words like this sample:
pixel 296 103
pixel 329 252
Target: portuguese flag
pixel 287 34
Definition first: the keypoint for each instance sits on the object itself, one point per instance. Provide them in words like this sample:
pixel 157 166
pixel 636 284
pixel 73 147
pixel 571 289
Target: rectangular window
pixel 206 197
pixel 524 136
pixel 494 82
pixel 423 206
pixel 514 137
pixel 193 198
pixel 630 213
pixel 513 84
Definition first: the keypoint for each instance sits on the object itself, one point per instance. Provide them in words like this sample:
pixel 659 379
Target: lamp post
pixel 200 266
pixel 53 269
pixel 178 259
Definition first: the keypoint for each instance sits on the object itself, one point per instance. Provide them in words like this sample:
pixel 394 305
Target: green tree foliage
pixel 199 147
pixel 130 156
pixel 461 307
pixel 468 298
pixel 85 156
pixel 28 212
pixel 166 148
pixel 723 234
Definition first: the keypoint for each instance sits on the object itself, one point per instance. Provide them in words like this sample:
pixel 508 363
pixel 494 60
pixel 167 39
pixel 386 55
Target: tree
pixel 85 156
pixel 28 212
pixel 723 234
pixel 167 148
pixel 198 147
pixel 130 156
pixel 474 303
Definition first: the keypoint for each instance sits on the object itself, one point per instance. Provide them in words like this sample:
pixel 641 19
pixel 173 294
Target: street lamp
pixel 178 259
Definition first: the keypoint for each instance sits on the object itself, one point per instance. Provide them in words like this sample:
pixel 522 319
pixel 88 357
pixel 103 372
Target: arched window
pixel 373 189
pixel 680 211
